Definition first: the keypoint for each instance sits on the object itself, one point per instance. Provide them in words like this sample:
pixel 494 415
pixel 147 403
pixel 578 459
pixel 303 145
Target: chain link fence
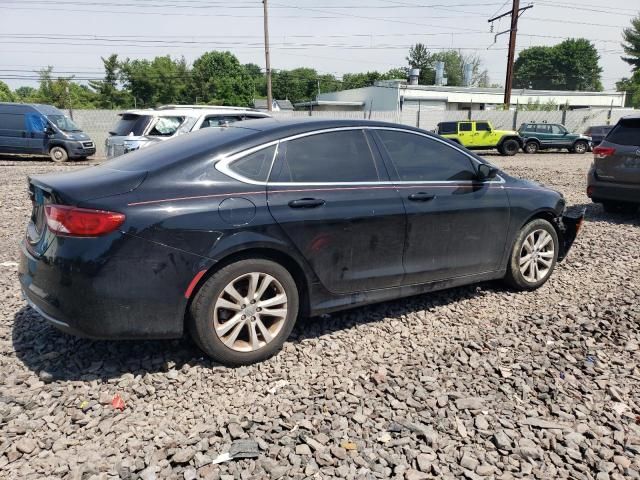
pixel 97 123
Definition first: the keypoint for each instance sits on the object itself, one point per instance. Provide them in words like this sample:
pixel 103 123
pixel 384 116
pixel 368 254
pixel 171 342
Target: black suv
pixel 614 178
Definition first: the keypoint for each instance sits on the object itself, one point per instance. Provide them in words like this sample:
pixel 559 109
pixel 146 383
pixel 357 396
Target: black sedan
pixel 233 233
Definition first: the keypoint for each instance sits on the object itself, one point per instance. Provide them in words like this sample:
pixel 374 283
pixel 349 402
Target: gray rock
pixel 469 462
pixel 469 403
pixel 501 440
pixel 26 445
pixel 183 455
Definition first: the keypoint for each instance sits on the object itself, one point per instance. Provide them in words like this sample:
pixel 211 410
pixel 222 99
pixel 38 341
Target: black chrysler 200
pixel 234 233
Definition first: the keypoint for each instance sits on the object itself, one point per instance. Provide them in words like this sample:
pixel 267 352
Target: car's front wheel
pixel 580 147
pixel 531 147
pixel 534 256
pixel 244 312
pixel 509 147
pixel 58 154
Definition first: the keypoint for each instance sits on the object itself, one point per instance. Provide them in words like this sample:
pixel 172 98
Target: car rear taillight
pixel 603 152
pixel 81 222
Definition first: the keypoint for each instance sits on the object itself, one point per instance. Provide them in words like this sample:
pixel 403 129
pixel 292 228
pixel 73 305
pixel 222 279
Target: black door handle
pixel 421 197
pixel 306 203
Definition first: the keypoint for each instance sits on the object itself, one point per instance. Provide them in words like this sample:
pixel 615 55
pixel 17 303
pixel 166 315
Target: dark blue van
pixel 42 129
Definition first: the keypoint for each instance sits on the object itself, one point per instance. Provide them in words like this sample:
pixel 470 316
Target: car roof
pixel 192 111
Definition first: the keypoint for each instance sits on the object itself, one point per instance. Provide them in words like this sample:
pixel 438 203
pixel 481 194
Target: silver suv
pixel 140 128
pixel 614 177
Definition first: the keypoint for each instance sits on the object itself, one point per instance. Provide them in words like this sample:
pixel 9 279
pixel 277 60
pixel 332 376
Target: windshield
pixel 131 124
pixel 63 123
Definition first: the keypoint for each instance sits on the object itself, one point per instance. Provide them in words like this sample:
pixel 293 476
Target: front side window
pixel 482 127
pixel 34 122
pixel 446 128
pixel 256 165
pixel 557 130
pixel 342 156
pixel 166 126
pixel 418 158
pixel 464 127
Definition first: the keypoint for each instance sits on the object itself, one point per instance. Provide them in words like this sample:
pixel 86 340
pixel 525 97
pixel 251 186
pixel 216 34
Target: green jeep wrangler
pixel 480 135
pixel 541 136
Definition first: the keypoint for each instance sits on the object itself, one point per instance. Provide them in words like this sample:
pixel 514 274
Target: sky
pixel 332 36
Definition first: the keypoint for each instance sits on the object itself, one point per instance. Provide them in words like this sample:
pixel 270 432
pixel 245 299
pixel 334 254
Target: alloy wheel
pixel 250 312
pixel 536 256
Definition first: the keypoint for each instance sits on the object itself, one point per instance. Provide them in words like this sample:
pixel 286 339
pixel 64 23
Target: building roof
pixel 500 91
pixel 261 104
pixel 335 103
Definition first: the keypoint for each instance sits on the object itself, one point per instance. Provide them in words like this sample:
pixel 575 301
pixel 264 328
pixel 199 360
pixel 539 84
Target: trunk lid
pixel 623 164
pixel 72 189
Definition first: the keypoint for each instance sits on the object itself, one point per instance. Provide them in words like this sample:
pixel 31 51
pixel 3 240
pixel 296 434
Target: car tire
pixel 58 154
pixel 580 147
pixel 531 147
pixel 231 329
pixel 533 257
pixel 619 207
pixel 509 147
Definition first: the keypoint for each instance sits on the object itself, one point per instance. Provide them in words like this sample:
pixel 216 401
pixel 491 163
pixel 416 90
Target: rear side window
pixel 342 156
pixel 447 127
pixel 131 124
pixel 626 132
pixel 166 126
pixel 219 121
pixel 418 158
pixel 256 165
pixel 11 121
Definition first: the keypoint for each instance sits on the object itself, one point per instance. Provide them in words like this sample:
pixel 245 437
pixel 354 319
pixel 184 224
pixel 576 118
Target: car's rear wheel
pixel 580 147
pixel 244 312
pixel 534 256
pixel 58 154
pixel 509 147
pixel 619 207
pixel 531 147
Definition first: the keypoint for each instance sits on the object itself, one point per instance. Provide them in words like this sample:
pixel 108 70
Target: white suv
pixel 141 128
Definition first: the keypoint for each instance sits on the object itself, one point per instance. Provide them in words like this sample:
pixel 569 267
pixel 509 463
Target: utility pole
pixel 515 13
pixel 266 56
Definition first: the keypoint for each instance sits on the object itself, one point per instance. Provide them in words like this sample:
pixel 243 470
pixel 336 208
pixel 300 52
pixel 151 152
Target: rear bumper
pixel 136 292
pixel 599 190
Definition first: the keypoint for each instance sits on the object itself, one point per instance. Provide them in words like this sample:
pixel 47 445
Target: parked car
pixel 597 133
pixel 542 136
pixel 233 234
pixel 614 177
pixel 42 130
pixel 480 135
pixel 141 128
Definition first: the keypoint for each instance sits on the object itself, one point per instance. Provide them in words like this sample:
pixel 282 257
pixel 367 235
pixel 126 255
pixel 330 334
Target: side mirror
pixel 486 172
pixel 48 130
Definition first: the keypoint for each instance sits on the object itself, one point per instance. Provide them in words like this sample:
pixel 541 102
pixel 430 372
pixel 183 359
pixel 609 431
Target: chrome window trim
pixel 223 164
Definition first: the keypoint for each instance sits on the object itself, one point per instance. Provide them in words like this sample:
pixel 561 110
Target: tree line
pixel 218 78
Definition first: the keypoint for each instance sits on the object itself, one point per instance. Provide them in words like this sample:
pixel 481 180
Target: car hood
pixel 77 136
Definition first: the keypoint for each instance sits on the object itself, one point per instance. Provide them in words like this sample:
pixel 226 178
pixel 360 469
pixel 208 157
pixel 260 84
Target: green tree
pixel 109 96
pixel 25 94
pixel 631 44
pixel 420 57
pixel 359 80
pixel 6 95
pixel 162 80
pixel 297 85
pixel 218 77
pixel 569 65
pixel 63 92
pixel 258 79
pixel 632 87
pixel 395 73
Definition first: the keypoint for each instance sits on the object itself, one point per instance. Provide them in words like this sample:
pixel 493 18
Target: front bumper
pixel 79 149
pixel 569 225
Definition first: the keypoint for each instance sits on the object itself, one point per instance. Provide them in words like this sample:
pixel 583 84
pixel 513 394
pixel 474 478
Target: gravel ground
pixel 475 382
